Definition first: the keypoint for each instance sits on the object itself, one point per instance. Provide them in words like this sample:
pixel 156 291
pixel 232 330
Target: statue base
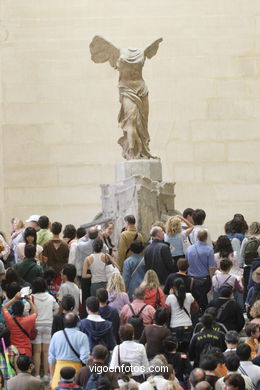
pixel 139 190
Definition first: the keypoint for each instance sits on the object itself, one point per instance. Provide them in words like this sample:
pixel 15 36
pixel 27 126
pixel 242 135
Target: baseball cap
pixel 33 218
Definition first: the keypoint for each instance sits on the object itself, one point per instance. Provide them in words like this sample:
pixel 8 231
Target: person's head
pixel 197 375
pixel 5 334
pixel 232 361
pixel 30 251
pixel 180 291
pixel 255 310
pixel 252 330
pixel 223 246
pixel 69 232
pixel 139 293
pixel 33 221
pixel 151 280
pixel 202 235
pixel 173 226
pixel 208 362
pixel 232 338
pixel 207 321
pixel 126 332
pixel 116 283
pixel 238 224
pixel 98 245
pixel 68 303
pixel 30 236
pixel 234 382
pixel 44 222
pixel 182 265
pixel 187 214
pixel 93 232
pixel 254 229
pixel 103 383
pixel 67 374
pixel 157 233
pixel 92 305
pixel 102 295
pixel 11 275
pixel 39 285
pixel 18 224
pixel 80 232
pixel 108 229
pixel 228 227
pixel 161 224
pixel 49 275
pixel 100 353
pixel 25 363
pixel 160 316
pixel 225 265
pixel 169 374
pixel 68 273
pixel 198 216
pixel 243 351
pixel 129 220
pixel 56 228
pixel 203 385
pixel 170 344
pixel 157 367
pixel 136 247
pixel 226 291
pixel 18 308
pixel 70 320
pixel 12 289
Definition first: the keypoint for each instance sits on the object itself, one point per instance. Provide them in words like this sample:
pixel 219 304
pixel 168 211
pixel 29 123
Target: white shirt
pixel 251 370
pixel 220 385
pixel 72 289
pixel 153 381
pixel 133 353
pixel 178 316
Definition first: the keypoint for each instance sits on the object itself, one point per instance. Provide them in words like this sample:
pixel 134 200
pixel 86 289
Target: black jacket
pixel 231 316
pixel 157 256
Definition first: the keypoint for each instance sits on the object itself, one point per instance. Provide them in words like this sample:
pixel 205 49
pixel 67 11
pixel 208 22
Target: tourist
pixel 44 234
pixel 67 306
pixel 181 304
pixel 20 327
pixel 255 313
pixel 157 255
pixel 29 237
pixel 127 236
pixel 234 382
pixel 199 217
pixel 33 222
pixel 217 326
pixel 74 252
pixel 208 363
pixel 134 268
pixel 69 234
pixel 131 352
pixel 187 214
pixel 197 375
pixel 247 367
pixel 67 376
pixel 223 250
pixel 68 347
pixel 16 238
pixel 98 330
pixel 183 266
pixel 68 285
pixel 12 353
pixel 56 251
pixel 156 379
pixel 107 234
pixel 24 379
pixel 201 267
pixel 154 295
pixel 108 312
pixel 153 335
pixel 50 276
pixel 28 269
pixel 46 307
pixel 231 340
pixel 117 297
pixel 225 276
pixel 253 334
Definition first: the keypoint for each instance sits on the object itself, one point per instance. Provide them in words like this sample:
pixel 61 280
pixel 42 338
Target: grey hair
pixel 155 230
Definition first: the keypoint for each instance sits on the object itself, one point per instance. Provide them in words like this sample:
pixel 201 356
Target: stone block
pixel 144 168
pixel 209 151
pixel 247 151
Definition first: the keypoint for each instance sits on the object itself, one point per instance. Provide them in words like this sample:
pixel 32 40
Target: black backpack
pixel 137 322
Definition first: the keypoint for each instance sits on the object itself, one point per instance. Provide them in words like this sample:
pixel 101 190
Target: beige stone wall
pixel 60 109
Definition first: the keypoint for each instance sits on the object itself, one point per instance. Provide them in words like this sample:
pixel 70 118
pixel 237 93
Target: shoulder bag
pixel 33 333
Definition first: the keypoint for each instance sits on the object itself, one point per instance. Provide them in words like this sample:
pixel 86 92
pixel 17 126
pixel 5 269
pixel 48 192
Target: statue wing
pixel 102 50
pixel 151 50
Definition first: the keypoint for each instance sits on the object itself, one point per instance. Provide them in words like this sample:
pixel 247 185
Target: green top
pixel 43 235
pixel 28 269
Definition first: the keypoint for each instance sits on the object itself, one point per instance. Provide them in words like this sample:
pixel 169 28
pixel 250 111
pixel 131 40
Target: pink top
pixel 20 251
pixel 147 314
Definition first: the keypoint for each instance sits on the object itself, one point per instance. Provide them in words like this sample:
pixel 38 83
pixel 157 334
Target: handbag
pixel 33 333
pixel 158 303
pixel 110 269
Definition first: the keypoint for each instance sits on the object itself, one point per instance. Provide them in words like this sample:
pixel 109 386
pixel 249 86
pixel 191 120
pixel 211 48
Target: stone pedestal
pixel 139 190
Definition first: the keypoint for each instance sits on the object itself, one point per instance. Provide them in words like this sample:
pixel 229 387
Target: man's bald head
pixel 197 375
pixel 202 235
pixel 92 233
pixel 70 320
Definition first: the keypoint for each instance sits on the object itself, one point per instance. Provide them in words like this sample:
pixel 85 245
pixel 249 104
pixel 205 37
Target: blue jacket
pixel 98 332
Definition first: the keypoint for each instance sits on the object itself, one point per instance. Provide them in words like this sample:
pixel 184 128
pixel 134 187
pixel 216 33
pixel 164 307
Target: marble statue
pixel 133 93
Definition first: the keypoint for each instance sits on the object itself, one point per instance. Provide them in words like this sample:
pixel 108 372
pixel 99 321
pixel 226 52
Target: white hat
pixel 33 218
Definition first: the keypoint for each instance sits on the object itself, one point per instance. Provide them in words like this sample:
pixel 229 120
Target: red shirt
pixel 18 338
pixel 151 297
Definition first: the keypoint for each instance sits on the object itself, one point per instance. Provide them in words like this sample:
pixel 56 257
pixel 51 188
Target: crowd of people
pixel 180 311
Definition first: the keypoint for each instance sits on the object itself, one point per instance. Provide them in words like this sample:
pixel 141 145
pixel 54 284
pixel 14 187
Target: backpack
pixel 250 252
pixel 93 381
pixel 137 322
pixel 216 293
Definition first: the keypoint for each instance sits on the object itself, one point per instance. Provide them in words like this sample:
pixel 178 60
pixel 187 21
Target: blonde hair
pixel 173 226
pixel 255 310
pixel 116 283
pixel 150 280
pixel 171 385
pixel 19 223
pixel 254 228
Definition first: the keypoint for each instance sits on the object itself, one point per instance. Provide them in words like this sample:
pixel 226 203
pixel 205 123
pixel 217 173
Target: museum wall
pixel 59 109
